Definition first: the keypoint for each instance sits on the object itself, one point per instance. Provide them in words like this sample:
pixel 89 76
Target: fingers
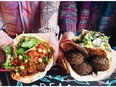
pixel 4 39
pixel 54 42
pixel 67 36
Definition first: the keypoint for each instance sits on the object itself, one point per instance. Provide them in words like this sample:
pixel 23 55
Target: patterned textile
pixel 84 15
pixel 73 16
pixel 98 16
pixel 23 15
pixel 90 15
pixel 9 13
pixel 68 16
pixel 106 16
pixel 29 12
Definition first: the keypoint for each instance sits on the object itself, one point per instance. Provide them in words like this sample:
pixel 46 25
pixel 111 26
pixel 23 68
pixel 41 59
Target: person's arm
pixel 48 19
pixel 68 16
pixel 49 14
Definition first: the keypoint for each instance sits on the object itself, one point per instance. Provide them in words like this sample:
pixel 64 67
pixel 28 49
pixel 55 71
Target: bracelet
pixel 47 29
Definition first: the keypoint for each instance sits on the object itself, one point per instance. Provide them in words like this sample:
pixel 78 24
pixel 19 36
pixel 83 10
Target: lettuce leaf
pixel 8 49
pixel 20 51
pixel 8 64
pixel 26 44
pixel 29 44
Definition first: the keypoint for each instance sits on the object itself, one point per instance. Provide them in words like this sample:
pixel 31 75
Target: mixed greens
pixel 24 45
pixel 8 49
pixel 94 39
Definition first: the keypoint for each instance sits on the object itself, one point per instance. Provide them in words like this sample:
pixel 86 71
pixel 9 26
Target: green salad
pixel 93 39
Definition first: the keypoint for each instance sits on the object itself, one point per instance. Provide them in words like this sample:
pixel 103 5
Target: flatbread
pixel 38 75
pixel 70 45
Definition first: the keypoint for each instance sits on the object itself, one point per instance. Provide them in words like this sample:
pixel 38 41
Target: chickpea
pixel 21 67
pixel 44 51
pixel 20 57
pixel 39 50
pixel 40 60
pixel 17 74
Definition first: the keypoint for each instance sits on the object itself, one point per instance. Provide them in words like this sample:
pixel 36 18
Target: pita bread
pixel 38 75
pixel 70 45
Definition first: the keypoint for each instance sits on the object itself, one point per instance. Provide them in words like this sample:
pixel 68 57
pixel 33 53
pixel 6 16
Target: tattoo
pixel 48 9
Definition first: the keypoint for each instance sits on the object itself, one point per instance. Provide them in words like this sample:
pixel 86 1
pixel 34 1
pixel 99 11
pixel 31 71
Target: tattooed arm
pixel 49 13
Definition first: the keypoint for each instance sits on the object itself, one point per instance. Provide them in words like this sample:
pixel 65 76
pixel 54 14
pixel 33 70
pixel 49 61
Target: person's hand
pixel 66 36
pixel 50 37
pixel 4 39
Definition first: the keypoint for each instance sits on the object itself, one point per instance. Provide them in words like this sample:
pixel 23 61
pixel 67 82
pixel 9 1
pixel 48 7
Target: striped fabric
pixel 9 13
pixel 106 16
pixel 23 14
pixel 27 13
pixel 68 16
pixel 73 16
pixel 84 15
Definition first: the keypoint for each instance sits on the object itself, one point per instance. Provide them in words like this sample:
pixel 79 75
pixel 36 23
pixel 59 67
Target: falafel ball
pixel 100 63
pixel 74 57
pixel 83 69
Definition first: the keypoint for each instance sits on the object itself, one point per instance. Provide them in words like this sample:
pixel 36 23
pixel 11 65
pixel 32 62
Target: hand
pixel 65 36
pixel 4 39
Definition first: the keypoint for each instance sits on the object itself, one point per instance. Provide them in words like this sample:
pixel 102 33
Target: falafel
pixel 83 69
pixel 74 57
pixel 100 63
